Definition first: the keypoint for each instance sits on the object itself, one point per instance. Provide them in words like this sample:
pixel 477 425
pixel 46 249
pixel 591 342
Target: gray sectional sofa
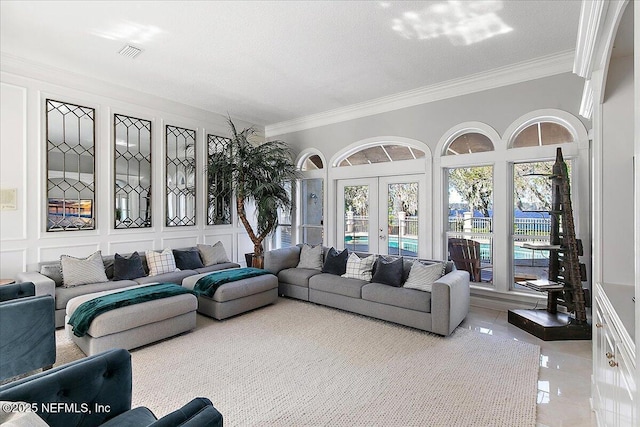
pixel 51 284
pixel 439 311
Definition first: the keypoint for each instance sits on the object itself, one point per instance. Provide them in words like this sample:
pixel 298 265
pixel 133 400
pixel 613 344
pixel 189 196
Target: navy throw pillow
pixel 389 271
pixel 336 262
pixel 127 268
pixel 188 260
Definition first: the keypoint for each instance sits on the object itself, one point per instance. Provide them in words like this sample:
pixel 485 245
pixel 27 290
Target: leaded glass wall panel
pixel 132 187
pixel 218 186
pixel 70 166
pixel 181 174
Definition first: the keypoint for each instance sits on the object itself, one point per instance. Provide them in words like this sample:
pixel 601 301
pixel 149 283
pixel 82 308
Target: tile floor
pixel 564 382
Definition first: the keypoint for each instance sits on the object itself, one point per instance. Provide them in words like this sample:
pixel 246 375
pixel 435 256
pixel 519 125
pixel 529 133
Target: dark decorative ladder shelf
pixel 566 274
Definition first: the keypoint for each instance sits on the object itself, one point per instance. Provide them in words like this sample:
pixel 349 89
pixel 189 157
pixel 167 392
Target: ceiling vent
pixel 130 51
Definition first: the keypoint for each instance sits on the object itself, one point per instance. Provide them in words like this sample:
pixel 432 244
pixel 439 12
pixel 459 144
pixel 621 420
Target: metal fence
pixel 521 226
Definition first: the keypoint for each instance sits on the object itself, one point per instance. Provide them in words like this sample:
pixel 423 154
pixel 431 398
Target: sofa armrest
pixel 279 259
pixel 17 290
pixel 450 296
pixel 102 379
pixel 27 335
pixel 43 284
pixel 198 412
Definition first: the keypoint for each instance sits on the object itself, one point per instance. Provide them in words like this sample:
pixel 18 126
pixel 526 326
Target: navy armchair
pixel 96 391
pixel 27 330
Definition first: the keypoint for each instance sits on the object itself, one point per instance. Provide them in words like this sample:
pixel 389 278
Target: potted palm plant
pixel 256 172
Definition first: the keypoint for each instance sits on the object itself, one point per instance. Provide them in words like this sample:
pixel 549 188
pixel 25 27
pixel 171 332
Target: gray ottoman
pixel 134 325
pixel 236 297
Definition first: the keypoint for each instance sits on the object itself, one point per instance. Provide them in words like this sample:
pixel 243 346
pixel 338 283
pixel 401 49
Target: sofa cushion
pixel 63 295
pixel 160 262
pixel 335 262
pixel 139 416
pixel 297 276
pixel 310 257
pixel 80 271
pixel 52 271
pixel 127 268
pixel 215 254
pixel 216 267
pixel 337 285
pixel 389 271
pixel 128 317
pixel 175 277
pixel 399 297
pixel 187 260
pixel 422 276
pixel 243 288
pixel 359 268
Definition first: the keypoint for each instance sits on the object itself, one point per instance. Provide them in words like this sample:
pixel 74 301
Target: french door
pixel 383 215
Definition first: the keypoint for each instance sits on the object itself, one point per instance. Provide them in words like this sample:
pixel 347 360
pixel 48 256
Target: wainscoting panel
pixel 130 247
pixel 13 165
pixel 179 242
pixel 12 262
pixel 244 246
pixel 226 239
pixel 79 251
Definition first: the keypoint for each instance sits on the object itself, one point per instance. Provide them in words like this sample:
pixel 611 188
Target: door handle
pixel 382 237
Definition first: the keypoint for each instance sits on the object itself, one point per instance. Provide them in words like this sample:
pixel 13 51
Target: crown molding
pixel 517 73
pixel 26 68
pixel 597 29
pixel 591 17
pixel 586 105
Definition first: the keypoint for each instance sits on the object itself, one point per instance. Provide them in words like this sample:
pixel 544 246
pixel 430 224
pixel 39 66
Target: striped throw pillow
pixel 359 268
pixel 160 262
pixel 421 276
pixel 81 271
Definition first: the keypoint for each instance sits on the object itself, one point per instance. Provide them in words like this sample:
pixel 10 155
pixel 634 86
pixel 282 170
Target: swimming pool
pixel 410 248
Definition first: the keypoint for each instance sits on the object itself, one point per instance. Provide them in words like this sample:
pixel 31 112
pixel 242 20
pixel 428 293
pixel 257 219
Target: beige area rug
pixel 299 364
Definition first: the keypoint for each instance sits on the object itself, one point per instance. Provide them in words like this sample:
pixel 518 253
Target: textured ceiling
pixel 268 62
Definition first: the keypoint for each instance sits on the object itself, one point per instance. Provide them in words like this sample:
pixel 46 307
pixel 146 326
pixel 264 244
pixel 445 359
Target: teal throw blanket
pixel 209 284
pixel 87 311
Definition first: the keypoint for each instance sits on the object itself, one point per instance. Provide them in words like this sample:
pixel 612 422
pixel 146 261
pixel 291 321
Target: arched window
pixel 468 158
pixel 532 144
pixel 382 153
pixel 542 133
pixel 312 162
pixel 468 143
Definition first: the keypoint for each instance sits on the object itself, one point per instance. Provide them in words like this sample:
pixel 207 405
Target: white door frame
pixel 378 215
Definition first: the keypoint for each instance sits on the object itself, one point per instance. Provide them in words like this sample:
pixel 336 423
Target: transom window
pixel 383 153
pixel 542 133
pixel 468 143
pixel 311 163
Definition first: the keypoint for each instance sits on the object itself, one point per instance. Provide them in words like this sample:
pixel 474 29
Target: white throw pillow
pixel 80 271
pixel 360 268
pixel 310 257
pixel 213 254
pixel 421 276
pixel 160 262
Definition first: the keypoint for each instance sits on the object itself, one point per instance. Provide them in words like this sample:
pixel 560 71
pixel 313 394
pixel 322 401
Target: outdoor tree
pixel 403 198
pixel 356 199
pixel 475 186
pixel 532 187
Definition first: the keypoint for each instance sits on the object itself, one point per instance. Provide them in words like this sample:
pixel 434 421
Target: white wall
pixel 428 122
pixel 617 174
pixel 497 109
pixel 23 239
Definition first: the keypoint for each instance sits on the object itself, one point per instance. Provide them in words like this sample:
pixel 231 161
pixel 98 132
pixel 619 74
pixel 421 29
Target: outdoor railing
pixel 521 226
